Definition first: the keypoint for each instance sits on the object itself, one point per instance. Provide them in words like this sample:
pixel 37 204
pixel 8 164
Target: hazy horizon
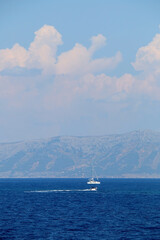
pixel 77 136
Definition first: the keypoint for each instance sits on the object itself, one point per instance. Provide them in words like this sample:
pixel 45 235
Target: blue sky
pixel 78 67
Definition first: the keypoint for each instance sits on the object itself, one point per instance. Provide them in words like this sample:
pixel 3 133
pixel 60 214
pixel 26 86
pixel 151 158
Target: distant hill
pixel 134 154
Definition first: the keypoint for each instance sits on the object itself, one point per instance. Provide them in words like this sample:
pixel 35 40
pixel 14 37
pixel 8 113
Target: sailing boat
pixel 92 180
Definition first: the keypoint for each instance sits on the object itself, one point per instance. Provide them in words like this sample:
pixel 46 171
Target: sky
pixel 78 67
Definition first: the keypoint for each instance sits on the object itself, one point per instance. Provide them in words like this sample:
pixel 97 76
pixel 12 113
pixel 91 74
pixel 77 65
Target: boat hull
pixel 93 189
pixel 93 182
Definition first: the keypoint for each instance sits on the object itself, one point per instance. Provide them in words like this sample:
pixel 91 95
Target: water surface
pixel 67 209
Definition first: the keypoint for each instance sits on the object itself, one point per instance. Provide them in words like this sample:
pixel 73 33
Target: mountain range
pixel 134 154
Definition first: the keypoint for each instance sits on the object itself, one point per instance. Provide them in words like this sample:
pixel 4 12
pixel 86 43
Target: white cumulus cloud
pixel 73 61
pixel 42 54
pixel 97 42
pixel 79 59
pixel 148 57
pixel 148 62
pixel 10 58
pixel 42 51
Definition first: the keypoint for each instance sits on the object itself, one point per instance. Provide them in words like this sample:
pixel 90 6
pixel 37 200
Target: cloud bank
pixel 41 54
pixel 48 87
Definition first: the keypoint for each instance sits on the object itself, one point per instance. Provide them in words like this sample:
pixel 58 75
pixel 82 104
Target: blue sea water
pixel 66 209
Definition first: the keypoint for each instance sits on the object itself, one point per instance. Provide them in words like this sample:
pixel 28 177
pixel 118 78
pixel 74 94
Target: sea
pixel 67 209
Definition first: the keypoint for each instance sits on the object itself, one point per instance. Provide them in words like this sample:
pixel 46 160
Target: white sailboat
pixel 93 180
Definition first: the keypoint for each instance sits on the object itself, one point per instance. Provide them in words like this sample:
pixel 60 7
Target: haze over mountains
pixel 134 154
